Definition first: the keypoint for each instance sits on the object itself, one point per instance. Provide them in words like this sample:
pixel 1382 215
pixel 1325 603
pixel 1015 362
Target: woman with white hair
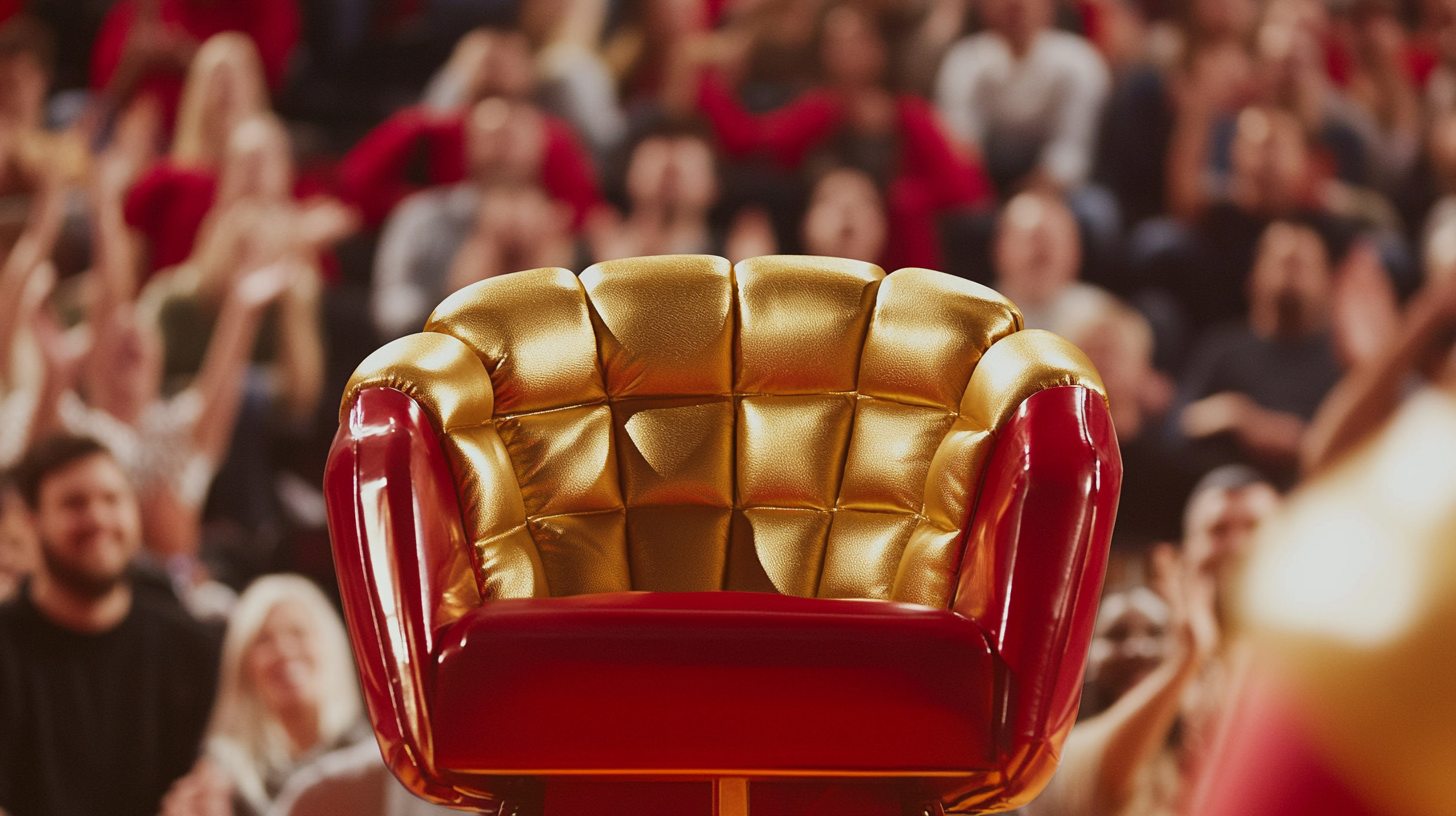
pixel 286 695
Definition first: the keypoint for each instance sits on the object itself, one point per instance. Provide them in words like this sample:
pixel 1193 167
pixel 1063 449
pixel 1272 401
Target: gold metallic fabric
pixel 802 333
pixel 1021 365
pixel 927 334
pixel 664 325
pixel 794 424
pixel 438 372
pixel 532 332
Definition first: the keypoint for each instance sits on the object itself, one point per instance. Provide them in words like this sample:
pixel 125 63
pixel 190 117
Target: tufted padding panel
pixel 798 425
pixel 532 332
pixel 664 325
pixel 927 334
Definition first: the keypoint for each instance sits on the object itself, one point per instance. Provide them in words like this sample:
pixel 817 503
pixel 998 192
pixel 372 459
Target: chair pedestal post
pixel 730 796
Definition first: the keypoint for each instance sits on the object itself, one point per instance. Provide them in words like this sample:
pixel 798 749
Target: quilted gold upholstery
pixel 800 425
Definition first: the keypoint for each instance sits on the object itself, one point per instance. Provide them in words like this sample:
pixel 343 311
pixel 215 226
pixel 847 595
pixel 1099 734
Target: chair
pixel 679 537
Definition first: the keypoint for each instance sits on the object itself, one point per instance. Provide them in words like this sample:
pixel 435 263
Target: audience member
pixel 1147 652
pixel 859 123
pixel 1155 479
pixel 516 227
pixel 146 46
pixel 253 224
pixel 374 174
pixel 104 691
pixel 31 156
pixel 846 217
pixel 1026 96
pixel 1038 255
pixel 26 55
pixel 225 86
pixel 671 186
pixel 286 695
pixel 1249 390
pixel 424 234
pixel 1223 512
pixel 1160 669
pixel 1272 176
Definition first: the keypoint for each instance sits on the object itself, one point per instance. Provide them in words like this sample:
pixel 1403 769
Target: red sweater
pixel 273 25
pixel 372 175
pixel 930 177
pixel 167 205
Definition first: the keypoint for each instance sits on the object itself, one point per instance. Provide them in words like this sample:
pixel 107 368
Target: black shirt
pixel 1288 375
pixel 100 723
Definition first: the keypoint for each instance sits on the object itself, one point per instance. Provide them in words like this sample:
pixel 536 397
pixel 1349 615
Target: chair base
pixel 730 796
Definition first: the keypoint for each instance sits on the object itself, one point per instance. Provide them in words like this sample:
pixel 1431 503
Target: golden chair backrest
pixel 794 424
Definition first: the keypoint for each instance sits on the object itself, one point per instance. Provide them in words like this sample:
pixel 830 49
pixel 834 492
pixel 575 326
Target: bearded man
pixel 104 690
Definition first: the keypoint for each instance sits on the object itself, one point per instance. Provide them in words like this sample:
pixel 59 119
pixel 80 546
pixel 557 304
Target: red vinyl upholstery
pixel 735 683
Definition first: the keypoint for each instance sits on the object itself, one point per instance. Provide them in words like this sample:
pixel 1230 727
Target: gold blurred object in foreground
pixel 1352 591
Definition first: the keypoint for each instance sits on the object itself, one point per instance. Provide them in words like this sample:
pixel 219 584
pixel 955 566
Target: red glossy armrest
pixel 395 523
pixel 1032 573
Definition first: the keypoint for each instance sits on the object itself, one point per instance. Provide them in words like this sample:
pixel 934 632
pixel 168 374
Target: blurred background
pixel 1243 210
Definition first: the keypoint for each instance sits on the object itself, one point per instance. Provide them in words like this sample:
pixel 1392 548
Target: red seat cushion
pixel 713 683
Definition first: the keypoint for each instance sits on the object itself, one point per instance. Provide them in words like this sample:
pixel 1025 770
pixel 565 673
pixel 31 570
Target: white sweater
pixel 1053 97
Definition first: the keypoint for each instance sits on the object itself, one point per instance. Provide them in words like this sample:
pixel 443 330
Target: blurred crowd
pixel 1244 211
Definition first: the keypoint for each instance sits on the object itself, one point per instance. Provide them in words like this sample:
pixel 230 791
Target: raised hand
pixel 62 351
pixel 257 288
pixel 1190 595
pixel 1224 412
pixel 324 221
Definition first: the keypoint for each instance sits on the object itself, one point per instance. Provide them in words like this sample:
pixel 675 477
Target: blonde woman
pixel 225 87
pixel 255 221
pixel 286 695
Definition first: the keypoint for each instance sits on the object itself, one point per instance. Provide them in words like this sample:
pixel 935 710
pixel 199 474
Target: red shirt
pixel 167 205
pixel 372 175
pixel 930 176
pixel 273 25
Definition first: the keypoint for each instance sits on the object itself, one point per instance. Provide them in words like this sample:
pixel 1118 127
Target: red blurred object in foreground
pixel 1268 764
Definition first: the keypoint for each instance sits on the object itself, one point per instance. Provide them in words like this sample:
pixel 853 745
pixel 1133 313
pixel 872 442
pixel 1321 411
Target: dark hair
pixel 665 127
pixel 47 456
pixel 24 34
pixel 1227 477
pixel 659 127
